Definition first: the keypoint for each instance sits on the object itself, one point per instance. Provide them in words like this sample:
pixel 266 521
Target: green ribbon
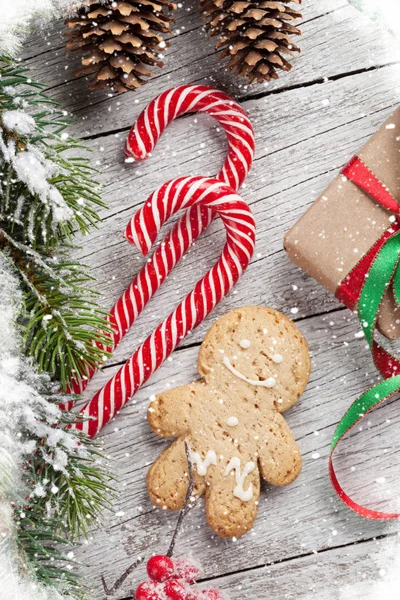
pixel 364 404
pixel 383 272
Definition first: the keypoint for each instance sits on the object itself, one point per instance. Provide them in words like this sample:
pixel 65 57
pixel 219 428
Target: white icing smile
pixel 202 465
pixel 270 382
pixel 239 492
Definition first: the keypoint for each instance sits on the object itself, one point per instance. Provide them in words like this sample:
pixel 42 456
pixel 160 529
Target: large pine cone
pixel 254 34
pixel 120 40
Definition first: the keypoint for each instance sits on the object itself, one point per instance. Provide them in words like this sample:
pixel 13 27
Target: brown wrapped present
pixel 352 215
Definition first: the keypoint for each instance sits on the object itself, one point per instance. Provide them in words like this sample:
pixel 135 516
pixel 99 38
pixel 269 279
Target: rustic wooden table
pixel 305 543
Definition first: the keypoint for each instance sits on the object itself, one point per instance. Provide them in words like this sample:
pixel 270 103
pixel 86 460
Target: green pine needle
pixel 66 331
pixel 73 176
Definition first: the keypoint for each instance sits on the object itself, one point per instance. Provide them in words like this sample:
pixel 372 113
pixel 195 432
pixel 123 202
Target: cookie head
pixel 259 351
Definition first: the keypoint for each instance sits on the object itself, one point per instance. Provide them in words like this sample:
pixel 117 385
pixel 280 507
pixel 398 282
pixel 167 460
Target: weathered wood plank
pixel 357 572
pixel 287 176
pixel 340 366
pixel 360 572
pixel 192 58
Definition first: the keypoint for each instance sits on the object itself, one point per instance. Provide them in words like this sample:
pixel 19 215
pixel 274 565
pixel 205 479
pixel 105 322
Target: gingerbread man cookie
pixel 254 365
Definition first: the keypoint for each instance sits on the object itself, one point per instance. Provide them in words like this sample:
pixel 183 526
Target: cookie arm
pixel 278 455
pixel 168 478
pixel 169 412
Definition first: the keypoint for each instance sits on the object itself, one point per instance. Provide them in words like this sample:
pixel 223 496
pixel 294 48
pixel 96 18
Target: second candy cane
pixel 178 194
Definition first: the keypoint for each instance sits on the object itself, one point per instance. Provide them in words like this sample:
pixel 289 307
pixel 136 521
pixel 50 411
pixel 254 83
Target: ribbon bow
pixel 366 284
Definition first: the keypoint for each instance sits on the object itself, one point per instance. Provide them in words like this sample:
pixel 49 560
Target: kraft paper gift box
pixel 345 222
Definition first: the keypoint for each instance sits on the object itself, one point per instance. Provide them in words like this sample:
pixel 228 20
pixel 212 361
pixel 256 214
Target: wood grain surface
pixel 305 543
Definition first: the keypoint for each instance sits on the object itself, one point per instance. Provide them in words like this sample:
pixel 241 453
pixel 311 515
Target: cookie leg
pixel 168 478
pixel 278 455
pixel 227 515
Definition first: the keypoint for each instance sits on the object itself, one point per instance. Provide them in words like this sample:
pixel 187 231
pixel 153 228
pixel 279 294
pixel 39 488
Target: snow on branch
pixel 19 16
pixel 25 416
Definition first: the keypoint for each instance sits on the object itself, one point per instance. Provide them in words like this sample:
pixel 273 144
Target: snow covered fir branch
pixel 47 192
pixel 53 483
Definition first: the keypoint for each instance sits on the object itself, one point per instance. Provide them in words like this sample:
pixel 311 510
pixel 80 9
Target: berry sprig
pixel 170 579
pixel 173 580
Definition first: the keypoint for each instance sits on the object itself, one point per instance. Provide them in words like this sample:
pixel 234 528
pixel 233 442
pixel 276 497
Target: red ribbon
pixel 359 173
pixel 349 289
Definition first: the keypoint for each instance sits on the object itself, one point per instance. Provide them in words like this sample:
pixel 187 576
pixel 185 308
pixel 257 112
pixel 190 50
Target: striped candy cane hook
pixel 173 103
pixel 141 141
pixel 178 194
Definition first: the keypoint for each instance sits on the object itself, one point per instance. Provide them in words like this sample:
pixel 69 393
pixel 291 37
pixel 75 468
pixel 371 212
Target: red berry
pixel 210 594
pixel 160 568
pixel 174 590
pixel 149 590
pixel 186 569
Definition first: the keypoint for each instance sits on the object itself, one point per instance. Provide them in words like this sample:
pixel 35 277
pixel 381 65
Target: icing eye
pixel 245 344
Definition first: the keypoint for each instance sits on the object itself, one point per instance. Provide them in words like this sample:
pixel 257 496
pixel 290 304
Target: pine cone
pixel 254 34
pixel 120 39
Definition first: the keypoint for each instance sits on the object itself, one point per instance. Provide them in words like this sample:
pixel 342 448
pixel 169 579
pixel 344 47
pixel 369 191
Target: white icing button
pixel 245 344
pixel 270 382
pixel 232 421
pixel 277 358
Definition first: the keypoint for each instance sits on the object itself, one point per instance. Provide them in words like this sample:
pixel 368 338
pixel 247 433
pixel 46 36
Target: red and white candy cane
pixel 181 193
pixel 141 141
